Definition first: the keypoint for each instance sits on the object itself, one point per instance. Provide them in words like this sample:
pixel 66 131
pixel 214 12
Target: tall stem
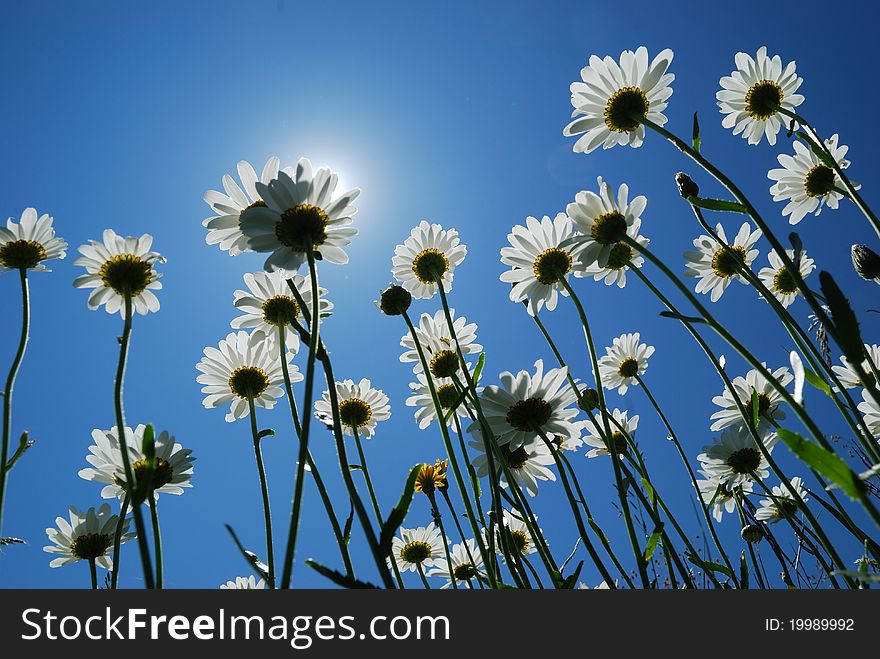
pixel 157 540
pixel 264 489
pixel 117 541
pixel 94 573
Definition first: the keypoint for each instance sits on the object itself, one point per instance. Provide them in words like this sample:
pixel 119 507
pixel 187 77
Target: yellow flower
pixel 431 477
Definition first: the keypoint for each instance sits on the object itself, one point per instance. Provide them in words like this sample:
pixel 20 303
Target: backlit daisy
pixel 539 260
pixel 806 182
pixel 361 407
pixel 871 411
pixel 527 464
pixel 526 405
pixel 613 96
pixel 430 254
pixel 734 457
pixel 625 359
pixel 269 304
pixel 781 504
pixel 593 435
pixel 778 279
pixel 847 374
pixel 467 564
pixel 417 547
pixel 438 343
pixel 620 259
pixel 717 492
pixel 174 464
pixel 751 96
pixel 118 267
pixel 87 536
pixel 243 366
pixel 769 399
pixel 447 393
pixel 715 264
pixel 302 212
pixel 523 541
pixel 244 583
pixel 223 228
pixel 604 220
pixel 26 244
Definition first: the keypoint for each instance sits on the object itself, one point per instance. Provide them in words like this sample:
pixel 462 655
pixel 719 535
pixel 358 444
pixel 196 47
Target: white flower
pixel 612 95
pixel 447 393
pixel 714 490
pixel 540 257
pixel 769 399
pixel 623 361
pixel 30 241
pixel 871 411
pixel 806 182
pixel 751 96
pixel 778 279
pixel 621 257
pixel 467 564
pixel 593 434
pixel 88 535
pixel 438 342
pixel 223 228
pixel 715 264
pixel 302 212
pixel 173 471
pixel 527 464
pixel 734 456
pixel 604 221
pixel 243 366
pixel 526 405
pixel 244 583
pixel 361 407
pixel 116 267
pixel 781 504
pixel 523 541
pixel 268 304
pixel 847 374
pixel 430 252
pixel 414 547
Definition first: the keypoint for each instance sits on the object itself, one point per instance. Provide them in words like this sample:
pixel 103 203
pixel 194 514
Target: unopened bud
pixel 686 186
pixel 589 400
pixel 395 300
pixel 752 533
pixel 866 262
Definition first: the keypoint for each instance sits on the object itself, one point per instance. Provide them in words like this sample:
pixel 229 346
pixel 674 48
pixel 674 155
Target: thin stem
pixel 117 541
pixel 264 490
pixel 435 513
pixel 422 575
pixel 157 540
pixel 94 573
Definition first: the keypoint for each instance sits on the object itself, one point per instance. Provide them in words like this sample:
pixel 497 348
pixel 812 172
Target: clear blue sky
pixel 122 114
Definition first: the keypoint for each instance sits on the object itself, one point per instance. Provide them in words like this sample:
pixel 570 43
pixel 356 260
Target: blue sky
pixel 122 114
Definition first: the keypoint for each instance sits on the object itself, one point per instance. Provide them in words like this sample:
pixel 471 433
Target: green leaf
pixel 650 490
pixel 252 559
pixel 709 565
pixel 678 316
pixel 478 369
pixel 653 541
pixel 798 246
pixel 743 572
pixel 718 205
pixel 569 582
pixel 848 337
pixel 398 513
pixel 815 148
pixel 337 577
pixel 144 483
pixel 695 140
pixel 756 409
pixel 598 531
pixel 268 432
pixel 825 462
pixel 860 576
pixel 817 382
pixel 346 531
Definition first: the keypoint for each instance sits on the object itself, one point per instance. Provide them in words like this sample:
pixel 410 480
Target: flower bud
pixel 752 533
pixel 589 400
pixel 395 300
pixel 686 186
pixel 866 262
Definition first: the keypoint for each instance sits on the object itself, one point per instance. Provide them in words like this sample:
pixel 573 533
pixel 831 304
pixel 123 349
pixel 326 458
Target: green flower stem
pixel 425 583
pixel 615 459
pixel 264 490
pixel 140 527
pixel 472 473
pixel 762 584
pixel 117 540
pixel 10 383
pixel 690 471
pixel 453 461
pixel 157 540
pixel 94 573
pixel 435 513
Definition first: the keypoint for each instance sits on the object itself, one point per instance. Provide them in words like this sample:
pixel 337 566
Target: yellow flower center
pixel 763 99
pixel 19 254
pixel 629 368
pixel 526 415
pixel 609 228
pixel 819 181
pixel 725 263
pixel 416 552
pixel 279 310
pixel 783 282
pixel 126 274
pixel 444 364
pixel 623 107
pixel 248 381
pixel 620 256
pixel 92 545
pixel 744 461
pixel 302 228
pixel 551 266
pixel 430 265
pixel 354 413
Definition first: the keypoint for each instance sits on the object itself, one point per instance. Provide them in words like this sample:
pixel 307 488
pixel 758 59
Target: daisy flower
pixel 173 470
pixel 467 564
pixel 528 405
pixel 781 503
pixel 527 464
pixel 626 359
pixel 871 411
pixel 25 244
pixel 447 394
pixel 118 267
pixel 713 489
pixel 613 96
pixel 621 257
pixel 807 183
pixel 438 343
pixel 778 279
pixel 593 433
pixel 87 536
pixel 417 547
pixel 224 228
pixel 769 399
pixel 302 211
pixel 751 96
pixel 847 374
pixel 734 457
pixel 244 583
pixel 241 367
pixel 604 221
pixel 430 252
pixel 361 407
pixel 714 263
pixel 523 541
pixel 269 304
pixel 540 257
